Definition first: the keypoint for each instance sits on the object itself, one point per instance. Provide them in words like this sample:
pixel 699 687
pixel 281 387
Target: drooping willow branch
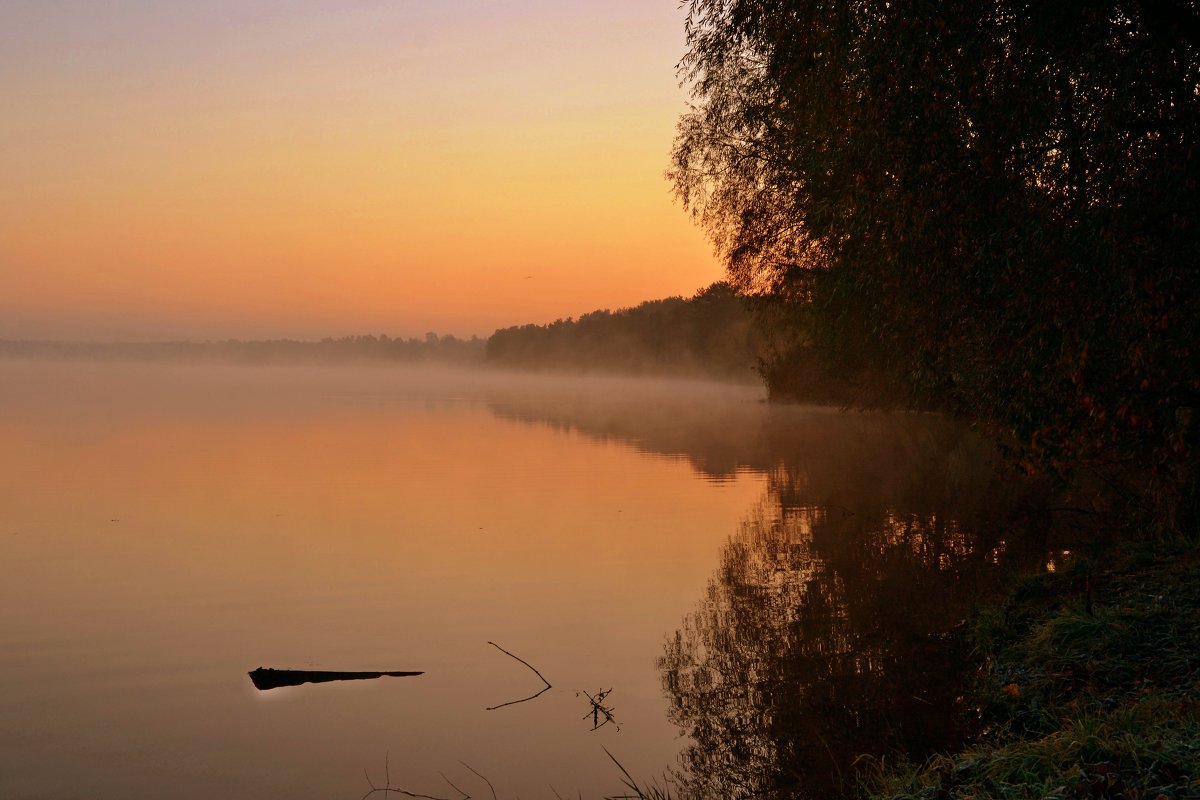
pixel 535 672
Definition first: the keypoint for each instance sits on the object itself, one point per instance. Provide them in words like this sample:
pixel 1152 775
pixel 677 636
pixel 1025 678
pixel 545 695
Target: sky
pixel 258 168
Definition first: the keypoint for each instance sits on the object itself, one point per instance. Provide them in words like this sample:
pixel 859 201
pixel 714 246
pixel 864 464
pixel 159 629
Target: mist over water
pixel 731 570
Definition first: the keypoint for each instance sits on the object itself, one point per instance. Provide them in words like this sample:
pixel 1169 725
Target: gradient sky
pixel 260 168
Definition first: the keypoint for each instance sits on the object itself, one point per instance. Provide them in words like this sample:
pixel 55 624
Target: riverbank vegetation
pixel 861 166
pixel 1087 686
pixel 990 210
pixel 1090 688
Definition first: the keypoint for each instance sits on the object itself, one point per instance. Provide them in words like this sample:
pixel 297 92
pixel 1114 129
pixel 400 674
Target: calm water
pixel 765 591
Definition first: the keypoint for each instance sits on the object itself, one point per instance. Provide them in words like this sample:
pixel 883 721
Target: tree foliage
pixel 984 206
pixel 708 334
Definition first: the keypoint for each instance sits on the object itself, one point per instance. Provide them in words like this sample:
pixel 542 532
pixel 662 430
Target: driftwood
pixel 265 678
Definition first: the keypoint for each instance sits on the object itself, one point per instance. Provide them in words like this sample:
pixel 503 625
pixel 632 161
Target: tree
pixel 988 207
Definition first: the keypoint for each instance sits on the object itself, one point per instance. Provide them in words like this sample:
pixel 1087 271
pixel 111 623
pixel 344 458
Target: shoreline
pixel 1089 687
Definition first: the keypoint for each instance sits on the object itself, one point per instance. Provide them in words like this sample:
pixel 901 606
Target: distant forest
pixel 711 335
pixel 347 348
pixel 715 334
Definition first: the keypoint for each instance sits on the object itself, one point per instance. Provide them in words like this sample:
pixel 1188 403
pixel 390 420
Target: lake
pixel 765 591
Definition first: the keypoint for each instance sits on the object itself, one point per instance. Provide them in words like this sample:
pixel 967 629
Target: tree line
pixel 710 334
pixel 988 208
pixel 431 347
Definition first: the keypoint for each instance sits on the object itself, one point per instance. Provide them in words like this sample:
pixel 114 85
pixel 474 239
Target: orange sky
pixel 262 168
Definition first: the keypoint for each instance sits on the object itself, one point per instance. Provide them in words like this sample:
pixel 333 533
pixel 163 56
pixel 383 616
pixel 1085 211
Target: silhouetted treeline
pixel 347 348
pixel 708 335
pixel 989 208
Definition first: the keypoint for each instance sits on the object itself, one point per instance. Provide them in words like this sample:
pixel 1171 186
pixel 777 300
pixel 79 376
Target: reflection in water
pixel 167 527
pixel 329 519
pixel 825 633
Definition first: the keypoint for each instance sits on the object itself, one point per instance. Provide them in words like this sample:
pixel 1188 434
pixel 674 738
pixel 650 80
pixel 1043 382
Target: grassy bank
pixel 1089 688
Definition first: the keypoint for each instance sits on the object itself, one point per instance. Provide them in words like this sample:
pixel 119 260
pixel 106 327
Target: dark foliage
pixel 986 207
pixel 827 631
pixel 707 335
pixel 1090 687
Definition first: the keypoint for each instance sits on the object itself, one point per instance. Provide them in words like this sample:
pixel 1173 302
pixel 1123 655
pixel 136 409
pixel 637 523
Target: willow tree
pixel 986 206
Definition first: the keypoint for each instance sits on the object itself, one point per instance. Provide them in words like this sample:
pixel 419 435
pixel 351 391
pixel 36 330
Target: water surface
pixel 748 581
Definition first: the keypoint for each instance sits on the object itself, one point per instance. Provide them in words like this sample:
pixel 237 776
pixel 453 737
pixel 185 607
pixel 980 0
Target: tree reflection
pixel 826 632
pixel 824 636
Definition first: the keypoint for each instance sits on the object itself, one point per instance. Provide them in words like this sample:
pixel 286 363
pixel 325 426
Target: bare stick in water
pixel 535 672
pixel 598 709
pixel 477 772
pixel 465 796
pixel 387 786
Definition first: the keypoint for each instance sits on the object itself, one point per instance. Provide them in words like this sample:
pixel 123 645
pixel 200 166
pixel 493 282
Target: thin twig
pixel 465 796
pixel 387 787
pixel 599 708
pixel 535 672
pixel 833 759
pixel 477 772
pixel 398 790
pixel 523 661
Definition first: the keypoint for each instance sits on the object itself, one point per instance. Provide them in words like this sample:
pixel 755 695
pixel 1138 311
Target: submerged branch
pixel 535 672
pixel 599 709
pixel 387 785
pixel 477 772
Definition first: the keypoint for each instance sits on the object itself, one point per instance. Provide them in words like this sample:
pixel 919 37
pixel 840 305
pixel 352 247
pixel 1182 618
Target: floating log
pixel 265 678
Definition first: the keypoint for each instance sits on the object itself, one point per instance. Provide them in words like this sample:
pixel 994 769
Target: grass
pixel 636 791
pixel 1090 688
